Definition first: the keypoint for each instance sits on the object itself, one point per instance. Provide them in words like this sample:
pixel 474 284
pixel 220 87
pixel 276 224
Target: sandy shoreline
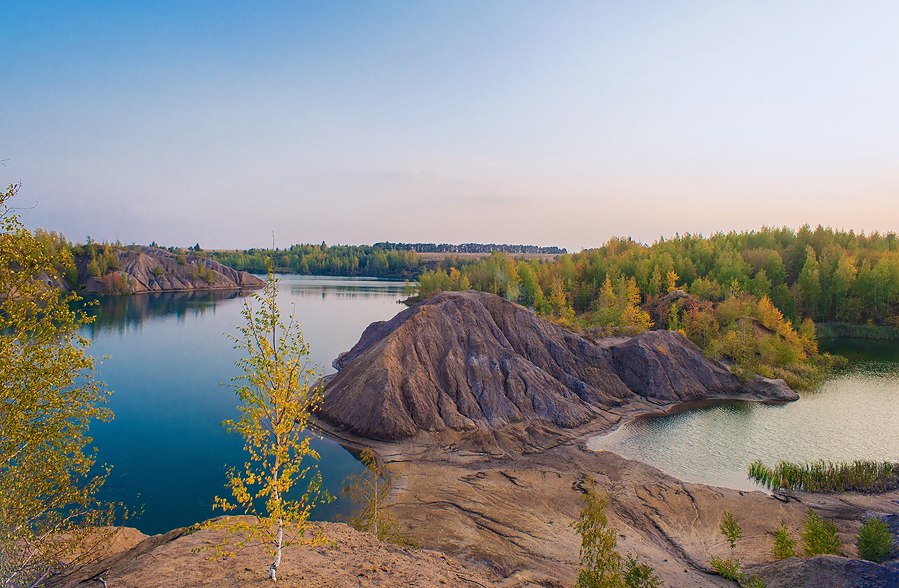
pixel 511 512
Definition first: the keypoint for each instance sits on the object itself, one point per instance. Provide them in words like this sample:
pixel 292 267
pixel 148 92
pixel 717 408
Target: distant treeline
pixel 381 260
pixel 822 274
pixel 749 298
pixel 469 248
pixel 327 260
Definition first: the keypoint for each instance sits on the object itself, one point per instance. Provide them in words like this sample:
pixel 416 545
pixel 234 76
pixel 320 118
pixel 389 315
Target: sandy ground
pixel 348 559
pixel 514 514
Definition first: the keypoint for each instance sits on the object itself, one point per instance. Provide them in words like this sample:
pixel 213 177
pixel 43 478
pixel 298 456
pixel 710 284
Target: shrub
pixel 753 582
pixel 784 546
pixel 731 529
pixel 640 575
pixel 819 536
pixel 875 542
pixel 728 569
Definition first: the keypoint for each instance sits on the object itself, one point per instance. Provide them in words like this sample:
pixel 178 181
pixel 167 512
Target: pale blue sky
pixel 534 122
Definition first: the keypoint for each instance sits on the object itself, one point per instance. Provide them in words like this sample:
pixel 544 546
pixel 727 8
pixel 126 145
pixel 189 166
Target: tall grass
pixel 825 476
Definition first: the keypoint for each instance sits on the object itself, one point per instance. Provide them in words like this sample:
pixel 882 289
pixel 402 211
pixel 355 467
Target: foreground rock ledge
pixel 353 559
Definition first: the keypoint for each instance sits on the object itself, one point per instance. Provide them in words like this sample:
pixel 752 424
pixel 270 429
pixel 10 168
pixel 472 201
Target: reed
pixel 828 477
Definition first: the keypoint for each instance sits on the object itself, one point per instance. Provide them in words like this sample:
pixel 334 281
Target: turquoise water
pixel 168 366
pixel 853 415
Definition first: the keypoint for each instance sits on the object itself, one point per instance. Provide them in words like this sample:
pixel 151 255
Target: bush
pixel 875 542
pixel 784 546
pixel 731 529
pixel 640 575
pixel 728 569
pixel 819 536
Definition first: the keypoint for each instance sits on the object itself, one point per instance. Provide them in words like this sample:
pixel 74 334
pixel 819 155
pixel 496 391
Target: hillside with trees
pixel 751 298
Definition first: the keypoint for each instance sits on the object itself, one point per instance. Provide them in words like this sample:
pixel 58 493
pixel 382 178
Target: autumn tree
pixel 49 398
pixel 276 403
pixel 601 564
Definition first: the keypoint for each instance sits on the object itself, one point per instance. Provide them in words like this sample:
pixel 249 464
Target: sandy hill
pixel 472 361
pixel 151 269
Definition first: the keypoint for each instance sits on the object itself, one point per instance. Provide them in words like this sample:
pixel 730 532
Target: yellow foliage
pixel 48 400
pixel 276 403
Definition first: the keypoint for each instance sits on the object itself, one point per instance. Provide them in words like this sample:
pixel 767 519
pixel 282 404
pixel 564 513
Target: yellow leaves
pixel 276 400
pixel 671 279
pixel 48 398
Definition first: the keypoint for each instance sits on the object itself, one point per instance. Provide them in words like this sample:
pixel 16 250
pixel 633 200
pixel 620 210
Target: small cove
pixel 852 415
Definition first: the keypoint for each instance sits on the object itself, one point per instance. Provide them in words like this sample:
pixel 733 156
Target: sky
pixel 550 123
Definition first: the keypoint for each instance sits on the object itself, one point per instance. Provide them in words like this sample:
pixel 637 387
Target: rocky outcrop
pixel 344 557
pixel 151 269
pixel 827 571
pixel 469 361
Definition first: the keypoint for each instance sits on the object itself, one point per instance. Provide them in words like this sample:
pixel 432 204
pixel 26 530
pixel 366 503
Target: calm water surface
pixel 854 415
pixel 168 363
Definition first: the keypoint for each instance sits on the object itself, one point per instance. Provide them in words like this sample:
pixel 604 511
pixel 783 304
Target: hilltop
pixel 477 365
pixel 137 270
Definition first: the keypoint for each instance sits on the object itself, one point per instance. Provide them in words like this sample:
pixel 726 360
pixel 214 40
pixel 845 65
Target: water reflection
pixel 118 314
pixel 168 365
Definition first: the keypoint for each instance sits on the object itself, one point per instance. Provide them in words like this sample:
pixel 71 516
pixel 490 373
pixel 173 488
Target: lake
pixel 168 366
pixel 853 415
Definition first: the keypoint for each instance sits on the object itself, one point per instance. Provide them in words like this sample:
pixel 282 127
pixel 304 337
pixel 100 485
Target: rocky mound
pixel 471 360
pixel 151 269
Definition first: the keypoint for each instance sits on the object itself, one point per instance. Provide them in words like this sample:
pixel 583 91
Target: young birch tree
pixel 48 399
pixel 276 402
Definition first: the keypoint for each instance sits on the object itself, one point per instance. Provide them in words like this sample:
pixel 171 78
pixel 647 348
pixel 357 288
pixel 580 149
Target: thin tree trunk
pixel 279 543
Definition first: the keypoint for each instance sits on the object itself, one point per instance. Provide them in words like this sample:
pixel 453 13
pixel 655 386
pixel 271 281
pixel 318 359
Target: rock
pixel 151 269
pixel 826 571
pixel 659 308
pixel 347 558
pixel 472 361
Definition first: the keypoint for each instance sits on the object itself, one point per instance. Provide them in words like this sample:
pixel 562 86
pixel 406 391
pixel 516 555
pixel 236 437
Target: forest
pixel 330 260
pixel 751 298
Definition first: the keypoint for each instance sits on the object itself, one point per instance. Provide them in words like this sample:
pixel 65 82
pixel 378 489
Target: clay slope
pixel 470 360
pixel 150 269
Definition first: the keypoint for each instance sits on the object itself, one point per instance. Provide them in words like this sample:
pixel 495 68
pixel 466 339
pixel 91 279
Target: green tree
pixel 819 536
pixel 875 542
pixel 600 562
pixel 48 399
pixel 809 283
pixel 731 529
pixel 639 575
pixel 728 568
pixel 529 288
pixel 276 402
pixel 784 545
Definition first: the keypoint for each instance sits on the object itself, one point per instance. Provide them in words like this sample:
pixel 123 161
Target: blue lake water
pixel 168 366
pixel 853 415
